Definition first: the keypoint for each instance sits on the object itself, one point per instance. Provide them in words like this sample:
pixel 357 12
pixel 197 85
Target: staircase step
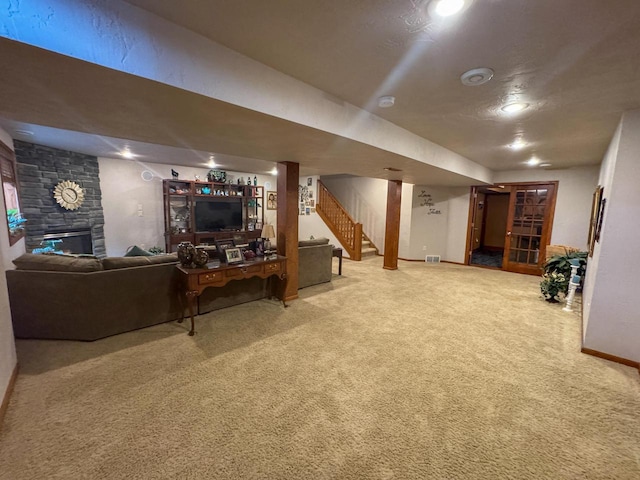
pixel 366 252
pixel 365 244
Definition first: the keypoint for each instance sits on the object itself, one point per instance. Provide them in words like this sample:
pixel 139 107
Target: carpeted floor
pixel 427 372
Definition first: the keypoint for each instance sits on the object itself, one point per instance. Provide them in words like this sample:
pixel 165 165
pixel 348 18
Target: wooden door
pixel 531 208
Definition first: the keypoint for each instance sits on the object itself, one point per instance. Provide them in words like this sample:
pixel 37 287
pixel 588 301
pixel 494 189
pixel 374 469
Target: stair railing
pixel 345 228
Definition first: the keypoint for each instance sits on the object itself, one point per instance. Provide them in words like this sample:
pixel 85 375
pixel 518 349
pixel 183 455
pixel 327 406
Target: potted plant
pixel 561 264
pixel 553 285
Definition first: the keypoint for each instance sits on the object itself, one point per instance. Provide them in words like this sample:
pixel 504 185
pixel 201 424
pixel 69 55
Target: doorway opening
pixel 510 226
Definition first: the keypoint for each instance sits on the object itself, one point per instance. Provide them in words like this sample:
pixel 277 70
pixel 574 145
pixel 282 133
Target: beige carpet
pixel 428 372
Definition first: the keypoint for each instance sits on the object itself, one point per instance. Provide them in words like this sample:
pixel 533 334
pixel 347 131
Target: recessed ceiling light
pixel 386 101
pixel 392 169
pixel 126 153
pixel 533 161
pixel 518 144
pixel 446 8
pixel 515 107
pixel 545 165
pixel 24 133
pixel 274 171
pixel 476 76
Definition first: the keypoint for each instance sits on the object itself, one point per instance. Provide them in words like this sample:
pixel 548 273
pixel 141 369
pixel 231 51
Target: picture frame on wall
pixel 596 210
pixel 272 200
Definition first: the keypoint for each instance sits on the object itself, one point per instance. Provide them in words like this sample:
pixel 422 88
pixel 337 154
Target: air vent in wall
pixel 432 259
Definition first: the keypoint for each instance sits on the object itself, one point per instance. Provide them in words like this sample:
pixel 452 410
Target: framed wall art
pixel 272 200
pixel 596 211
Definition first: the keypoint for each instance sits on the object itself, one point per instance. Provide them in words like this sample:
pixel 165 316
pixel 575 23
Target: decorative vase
pixel 201 257
pixel 186 253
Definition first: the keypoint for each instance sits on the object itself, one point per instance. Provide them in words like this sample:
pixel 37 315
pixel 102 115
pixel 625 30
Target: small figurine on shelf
pixel 197 177
pixel 255 181
pixel 174 174
pixel 248 180
pixel 239 181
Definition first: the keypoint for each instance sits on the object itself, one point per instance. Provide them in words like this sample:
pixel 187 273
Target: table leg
pixel 340 264
pixel 285 278
pixel 191 298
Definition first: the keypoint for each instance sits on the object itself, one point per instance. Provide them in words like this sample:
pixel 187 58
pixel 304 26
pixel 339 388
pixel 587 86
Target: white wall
pixel 366 201
pixel 8 358
pixel 120 36
pixel 612 321
pixel 123 189
pixel 312 225
pixel 573 201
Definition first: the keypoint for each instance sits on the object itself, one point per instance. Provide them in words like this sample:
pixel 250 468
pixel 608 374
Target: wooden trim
pixel 472 206
pixel 611 358
pixel 7 394
pixel 454 263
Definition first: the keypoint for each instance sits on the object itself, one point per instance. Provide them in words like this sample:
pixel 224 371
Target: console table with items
pixel 196 280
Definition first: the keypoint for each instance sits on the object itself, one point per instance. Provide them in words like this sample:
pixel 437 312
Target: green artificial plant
pixel 561 265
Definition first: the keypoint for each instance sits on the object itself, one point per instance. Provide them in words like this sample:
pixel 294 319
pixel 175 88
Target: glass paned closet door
pixel 528 227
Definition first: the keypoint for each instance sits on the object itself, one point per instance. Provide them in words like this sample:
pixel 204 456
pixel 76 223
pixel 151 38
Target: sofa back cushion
pixel 313 242
pixel 57 263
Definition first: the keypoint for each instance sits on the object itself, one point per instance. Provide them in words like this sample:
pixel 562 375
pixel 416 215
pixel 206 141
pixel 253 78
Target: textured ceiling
pixel 574 61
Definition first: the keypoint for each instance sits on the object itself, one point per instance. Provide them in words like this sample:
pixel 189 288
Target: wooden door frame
pixel 547 229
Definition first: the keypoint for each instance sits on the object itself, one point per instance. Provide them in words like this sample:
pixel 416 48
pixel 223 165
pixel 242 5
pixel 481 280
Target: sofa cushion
pixel 57 263
pixel 136 251
pixel 313 242
pixel 113 263
pixel 164 258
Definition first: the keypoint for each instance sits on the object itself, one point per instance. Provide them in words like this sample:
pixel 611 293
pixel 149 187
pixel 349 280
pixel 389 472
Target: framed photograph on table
pixel 234 255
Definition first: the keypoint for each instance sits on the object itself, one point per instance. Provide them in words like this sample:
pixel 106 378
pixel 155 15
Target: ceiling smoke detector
pixel 386 101
pixel 476 76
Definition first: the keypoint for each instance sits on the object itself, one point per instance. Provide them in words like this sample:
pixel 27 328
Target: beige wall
pixel 611 319
pixel 8 358
pixel 124 193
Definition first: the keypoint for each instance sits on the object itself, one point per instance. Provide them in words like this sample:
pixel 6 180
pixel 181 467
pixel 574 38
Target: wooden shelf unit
pixel 179 198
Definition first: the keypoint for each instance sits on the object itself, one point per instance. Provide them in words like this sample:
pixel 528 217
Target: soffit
pixel 573 61
pixel 77 100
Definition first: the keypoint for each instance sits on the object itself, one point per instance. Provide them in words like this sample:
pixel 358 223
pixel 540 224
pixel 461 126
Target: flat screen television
pixel 216 216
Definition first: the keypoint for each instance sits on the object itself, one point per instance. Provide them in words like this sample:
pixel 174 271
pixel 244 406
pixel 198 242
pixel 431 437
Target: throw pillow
pixel 136 251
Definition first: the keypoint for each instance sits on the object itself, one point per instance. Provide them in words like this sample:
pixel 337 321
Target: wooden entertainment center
pixel 202 212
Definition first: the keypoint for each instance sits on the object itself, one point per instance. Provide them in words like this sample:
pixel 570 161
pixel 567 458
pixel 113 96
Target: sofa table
pixel 196 280
pixel 337 252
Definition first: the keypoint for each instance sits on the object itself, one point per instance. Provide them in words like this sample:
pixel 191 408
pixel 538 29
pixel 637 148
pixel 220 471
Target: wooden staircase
pixel 346 229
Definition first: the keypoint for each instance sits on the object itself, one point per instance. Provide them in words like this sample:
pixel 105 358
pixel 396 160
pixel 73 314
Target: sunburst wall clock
pixel 69 195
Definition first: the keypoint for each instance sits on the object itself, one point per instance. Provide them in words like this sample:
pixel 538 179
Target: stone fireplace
pixel 40 169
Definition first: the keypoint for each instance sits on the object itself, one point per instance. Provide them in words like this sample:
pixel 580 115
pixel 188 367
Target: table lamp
pixel 267 234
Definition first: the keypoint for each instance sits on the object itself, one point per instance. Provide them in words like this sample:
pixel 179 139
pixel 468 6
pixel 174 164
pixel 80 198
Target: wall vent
pixel 432 259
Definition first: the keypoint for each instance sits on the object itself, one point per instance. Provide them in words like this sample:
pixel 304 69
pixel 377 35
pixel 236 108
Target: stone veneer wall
pixel 40 169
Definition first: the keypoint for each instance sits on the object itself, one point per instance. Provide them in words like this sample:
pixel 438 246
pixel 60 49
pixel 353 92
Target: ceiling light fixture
pixel 515 107
pixel 518 144
pixel 533 161
pixel 476 76
pixel 212 161
pixel 274 171
pixel 386 101
pixel 544 165
pixel 446 8
pixel 126 153
pixel 392 169
pixel 24 133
